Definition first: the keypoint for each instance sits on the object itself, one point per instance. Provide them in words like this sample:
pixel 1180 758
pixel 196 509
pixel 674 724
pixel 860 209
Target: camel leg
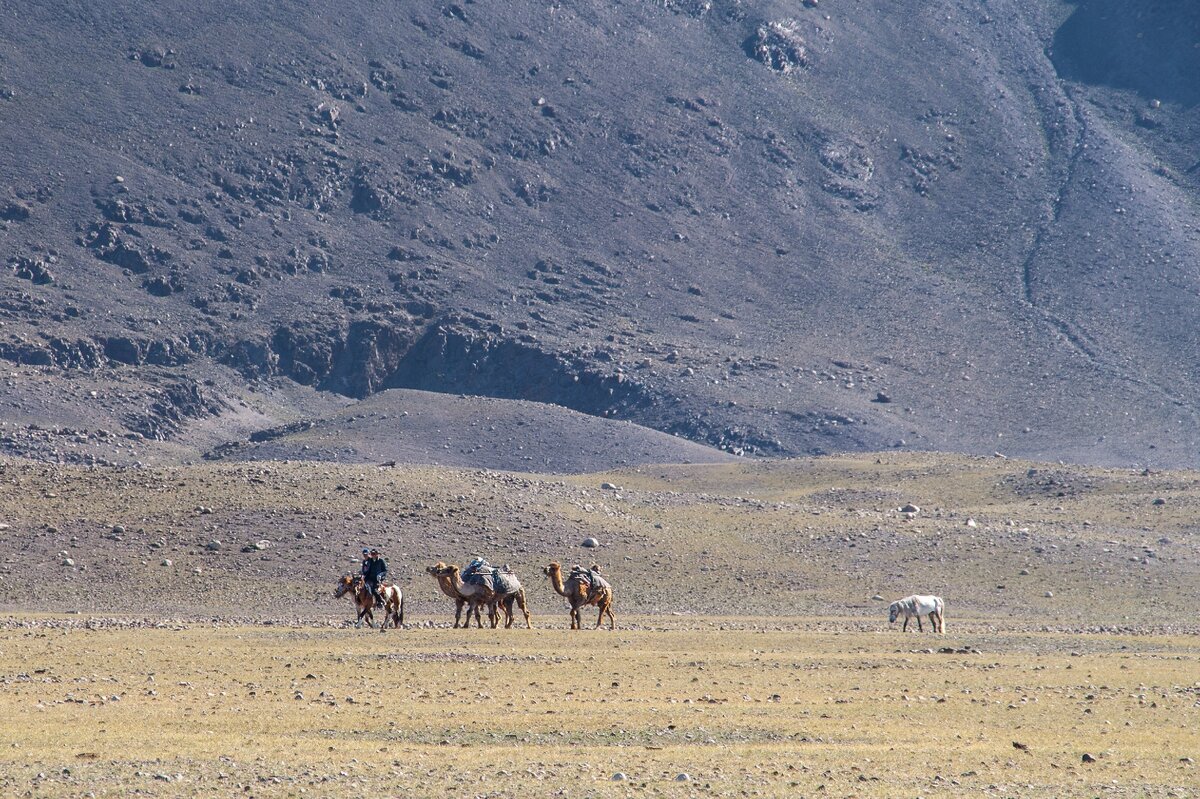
pixel 574 618
pixel 507 605
pixel 524 608
pixel 612 620
pixel 458 609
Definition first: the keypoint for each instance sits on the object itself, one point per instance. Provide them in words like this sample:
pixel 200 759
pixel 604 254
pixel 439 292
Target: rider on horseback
pixel 374 572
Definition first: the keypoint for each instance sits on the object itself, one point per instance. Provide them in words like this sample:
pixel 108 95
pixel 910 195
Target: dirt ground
pixel 1042 545
pixel 740 706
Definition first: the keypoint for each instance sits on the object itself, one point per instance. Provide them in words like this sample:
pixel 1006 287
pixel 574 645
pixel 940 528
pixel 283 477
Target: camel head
pixel 435 568
pixel 448 571
pixel 552 569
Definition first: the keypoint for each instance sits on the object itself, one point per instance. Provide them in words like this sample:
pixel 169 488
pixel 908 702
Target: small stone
pixel 683 776
pixel 590 543
pixel 878 597
pixel 972 523
pixel 1049 595
pixel 197 570
pixel 882 397
pixel 1024 572
pixel 1087 758
pixel 167 562
pixel 261 545
pixel 213 546
pixel 619 777
pixel 607 487
pixel 301 535
pixel 910 508
pixel 68 562
pixel 118 529
pixel 1159 501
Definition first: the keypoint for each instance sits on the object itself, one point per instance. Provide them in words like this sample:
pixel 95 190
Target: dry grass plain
pixel 750 653
pixel 742 707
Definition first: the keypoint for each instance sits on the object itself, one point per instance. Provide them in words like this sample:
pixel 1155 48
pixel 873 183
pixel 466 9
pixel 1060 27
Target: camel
pixel 580 594
pixel 504 600
pixel 443 580
pixel 441 574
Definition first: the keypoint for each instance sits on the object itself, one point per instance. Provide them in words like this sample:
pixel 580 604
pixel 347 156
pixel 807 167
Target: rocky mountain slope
pixel 769 227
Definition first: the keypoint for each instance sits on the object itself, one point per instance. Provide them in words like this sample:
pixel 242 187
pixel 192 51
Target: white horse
pixel 917 606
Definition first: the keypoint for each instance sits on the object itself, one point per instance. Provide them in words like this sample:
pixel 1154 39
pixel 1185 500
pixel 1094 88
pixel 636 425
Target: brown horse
pixel 356 587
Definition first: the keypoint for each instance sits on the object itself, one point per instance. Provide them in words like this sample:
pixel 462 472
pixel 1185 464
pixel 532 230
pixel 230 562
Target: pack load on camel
pixel 589 577
pixel 501 580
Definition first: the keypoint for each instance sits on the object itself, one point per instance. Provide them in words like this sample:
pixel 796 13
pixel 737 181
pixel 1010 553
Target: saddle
pixel 589 577
pixel 500 580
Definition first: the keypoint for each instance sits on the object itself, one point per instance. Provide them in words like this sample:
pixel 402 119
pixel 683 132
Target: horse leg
pixel 904 628
pixel 920 629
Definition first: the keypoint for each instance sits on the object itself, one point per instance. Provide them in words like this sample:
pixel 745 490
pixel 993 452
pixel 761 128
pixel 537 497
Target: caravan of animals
pixel 498 588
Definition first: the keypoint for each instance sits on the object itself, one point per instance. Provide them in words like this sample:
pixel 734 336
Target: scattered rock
pixel 1159 501
pixel 607 487
pixel 878 597
pixel 683 776
pixel 882 398
pixel 167 562
pixel 590 543
pixel 1049 595
pixel 68 562
pixel 779 46
pixel 1087 758
pixel 213 546
pixel 620 776
pixel 261 545
pixel 118 529
pixel 910 508
pixel 972 523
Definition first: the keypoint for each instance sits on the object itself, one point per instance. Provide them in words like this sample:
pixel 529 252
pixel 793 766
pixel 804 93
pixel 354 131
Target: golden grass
pixel 758 708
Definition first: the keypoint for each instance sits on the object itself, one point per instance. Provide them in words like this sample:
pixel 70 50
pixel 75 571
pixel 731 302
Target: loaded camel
pixel 445 582
pixel 584 587
pixel 507 592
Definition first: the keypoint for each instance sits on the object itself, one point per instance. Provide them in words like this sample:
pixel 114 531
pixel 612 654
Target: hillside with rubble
pixel 766 228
